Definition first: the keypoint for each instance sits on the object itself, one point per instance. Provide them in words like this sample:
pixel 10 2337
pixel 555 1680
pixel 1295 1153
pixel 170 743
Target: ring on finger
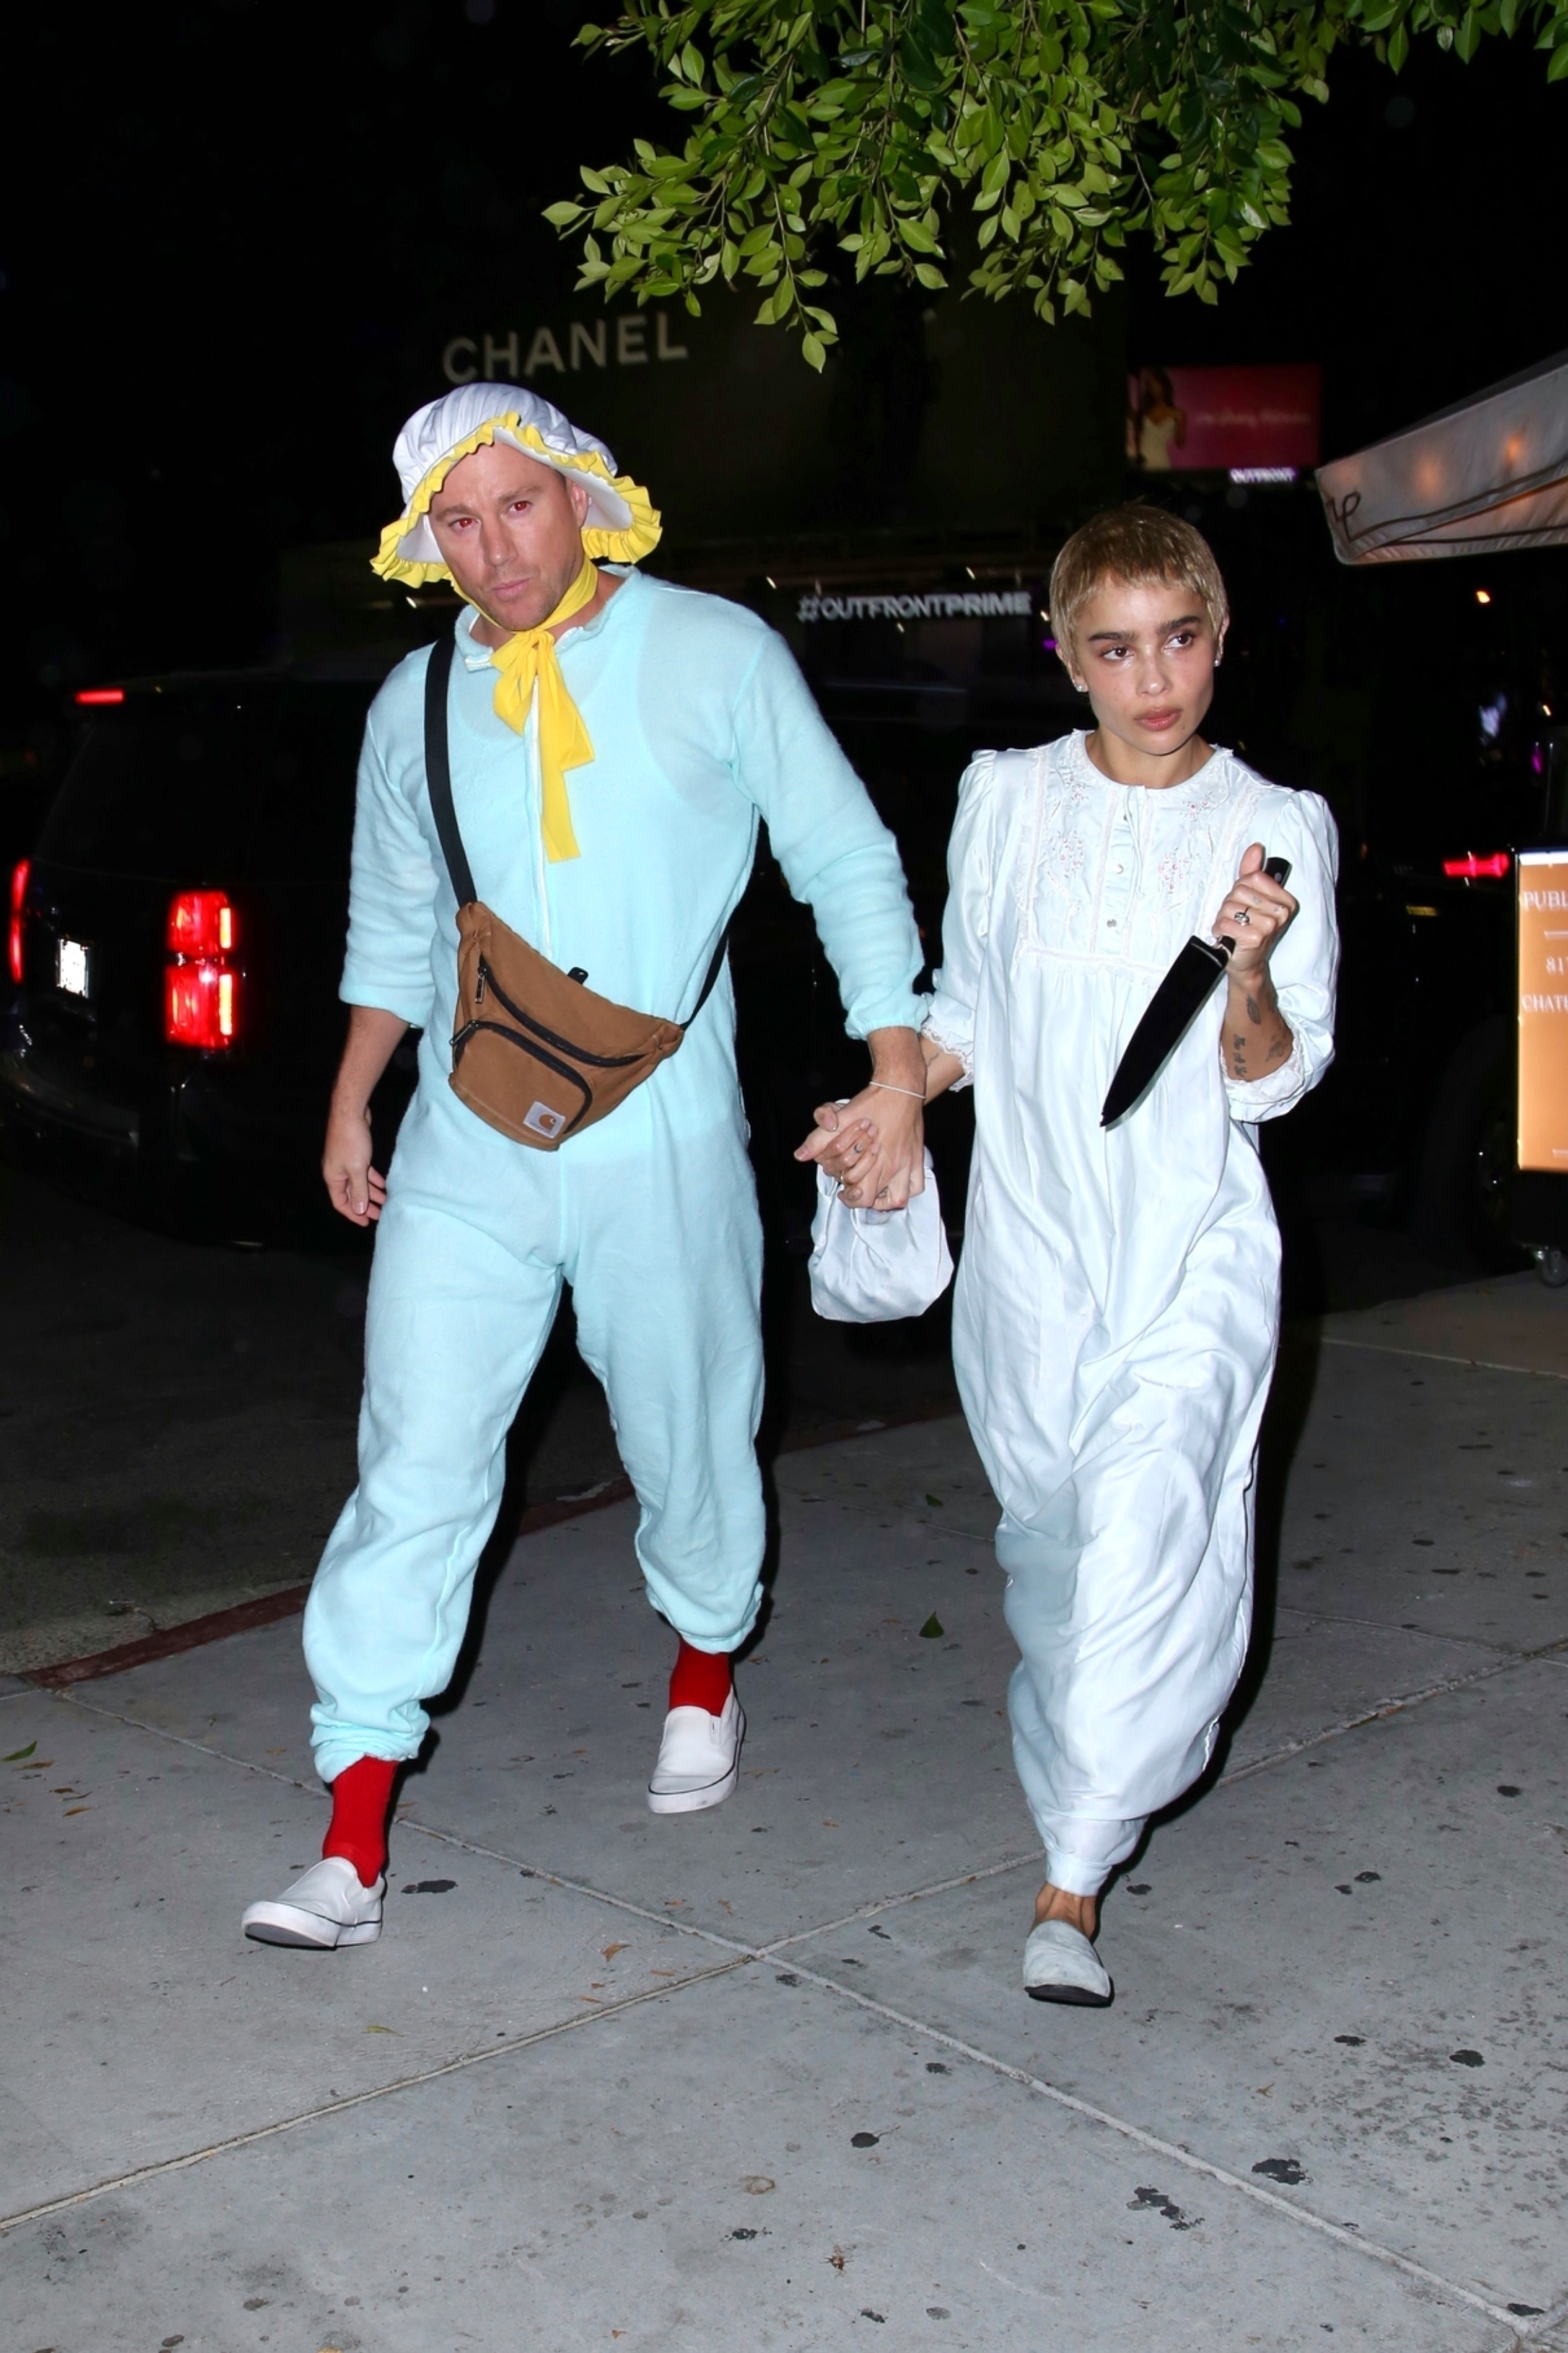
pixel 1242 915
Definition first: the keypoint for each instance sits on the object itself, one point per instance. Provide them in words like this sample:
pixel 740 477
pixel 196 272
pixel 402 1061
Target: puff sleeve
pixel 1305 965
pixel 966 919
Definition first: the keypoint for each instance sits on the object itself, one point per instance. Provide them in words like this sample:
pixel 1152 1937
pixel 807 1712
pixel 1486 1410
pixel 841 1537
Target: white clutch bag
pixel 873 1266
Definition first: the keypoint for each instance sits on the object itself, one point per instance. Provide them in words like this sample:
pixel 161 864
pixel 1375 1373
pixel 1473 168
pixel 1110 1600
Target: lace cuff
pixel 1265 1098
pixel 949 1026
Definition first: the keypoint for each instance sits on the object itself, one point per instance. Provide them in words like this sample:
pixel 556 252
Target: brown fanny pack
pixel 535 1052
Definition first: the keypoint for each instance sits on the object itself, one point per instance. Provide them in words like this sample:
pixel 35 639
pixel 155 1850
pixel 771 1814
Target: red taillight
pixel 15 941
pixel 201 986
pixel 1471 869
pixel 201 923
pixel 97 695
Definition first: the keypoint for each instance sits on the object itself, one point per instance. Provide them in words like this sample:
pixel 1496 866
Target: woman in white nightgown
pixel 1117 1306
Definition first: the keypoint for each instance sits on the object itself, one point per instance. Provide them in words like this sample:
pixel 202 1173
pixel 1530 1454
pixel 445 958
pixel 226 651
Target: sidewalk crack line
pixel 1173 2153
pixel 458 2066
pixel 1432 1356
pixel 1386 1708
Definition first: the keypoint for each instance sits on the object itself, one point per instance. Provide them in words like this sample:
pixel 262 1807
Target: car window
pixel 210 788
pixel 304 816
pixel 167 794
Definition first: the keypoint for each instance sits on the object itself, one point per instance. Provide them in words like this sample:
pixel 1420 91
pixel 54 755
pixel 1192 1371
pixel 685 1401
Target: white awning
pixel 1487 475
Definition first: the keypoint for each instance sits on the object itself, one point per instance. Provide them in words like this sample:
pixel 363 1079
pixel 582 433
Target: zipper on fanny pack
pixel 565 1045
pixel 535 1053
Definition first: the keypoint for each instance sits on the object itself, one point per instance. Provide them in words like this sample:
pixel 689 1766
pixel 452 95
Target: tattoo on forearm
pixel 1263 1045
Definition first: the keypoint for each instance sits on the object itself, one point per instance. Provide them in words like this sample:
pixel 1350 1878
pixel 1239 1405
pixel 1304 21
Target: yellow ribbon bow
pixel 529 660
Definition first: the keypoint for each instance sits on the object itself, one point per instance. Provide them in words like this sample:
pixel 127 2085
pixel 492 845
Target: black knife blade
pixel 1171 1012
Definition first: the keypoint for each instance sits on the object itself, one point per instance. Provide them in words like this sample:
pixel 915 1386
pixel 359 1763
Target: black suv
pixel 175 941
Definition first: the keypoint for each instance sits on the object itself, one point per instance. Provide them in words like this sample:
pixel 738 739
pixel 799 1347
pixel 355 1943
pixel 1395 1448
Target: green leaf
pixel 17 1754
pixel 920 68
pixel 936 26
pixel 1559 64
pixel 1065 126
pixel 933 1629
pixel 813 351
pixel 916 234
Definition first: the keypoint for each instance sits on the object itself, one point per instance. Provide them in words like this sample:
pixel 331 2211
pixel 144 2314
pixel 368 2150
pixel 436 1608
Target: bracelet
pixel 888 1088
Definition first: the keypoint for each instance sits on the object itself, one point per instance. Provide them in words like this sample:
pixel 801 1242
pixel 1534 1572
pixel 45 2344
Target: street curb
pixel 268 1608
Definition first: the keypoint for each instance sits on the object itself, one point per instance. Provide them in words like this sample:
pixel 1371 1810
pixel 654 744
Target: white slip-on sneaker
pixel 1061 1964
pixel 698 1759
pixel 329 1906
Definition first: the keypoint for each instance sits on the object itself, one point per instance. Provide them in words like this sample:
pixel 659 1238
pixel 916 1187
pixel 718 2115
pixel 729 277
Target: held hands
pixel 873 1145
pixel 1255 912
pixel 356 1191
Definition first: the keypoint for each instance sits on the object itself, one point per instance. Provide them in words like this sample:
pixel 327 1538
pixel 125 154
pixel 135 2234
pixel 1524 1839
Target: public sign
pixel 1250 421
pixel 1544 1009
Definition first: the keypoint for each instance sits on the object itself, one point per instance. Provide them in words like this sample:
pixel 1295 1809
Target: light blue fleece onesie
pixel 702 724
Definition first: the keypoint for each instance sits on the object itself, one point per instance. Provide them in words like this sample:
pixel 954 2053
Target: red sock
pixel 361 1800
pixel 700 1679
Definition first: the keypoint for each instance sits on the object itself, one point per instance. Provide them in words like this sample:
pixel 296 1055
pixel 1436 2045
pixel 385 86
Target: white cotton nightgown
pixel 1117 1305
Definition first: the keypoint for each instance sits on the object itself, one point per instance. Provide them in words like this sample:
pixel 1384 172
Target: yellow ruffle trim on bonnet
pixel 629 546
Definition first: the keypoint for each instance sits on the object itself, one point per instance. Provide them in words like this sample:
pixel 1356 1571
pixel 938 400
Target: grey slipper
pixel 1060 1964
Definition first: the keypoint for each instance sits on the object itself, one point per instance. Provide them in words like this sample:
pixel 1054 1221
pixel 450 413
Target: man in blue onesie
pixel 614 741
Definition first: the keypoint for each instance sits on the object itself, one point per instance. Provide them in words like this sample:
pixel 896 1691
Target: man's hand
pixel 355 1189
pixel 874 1146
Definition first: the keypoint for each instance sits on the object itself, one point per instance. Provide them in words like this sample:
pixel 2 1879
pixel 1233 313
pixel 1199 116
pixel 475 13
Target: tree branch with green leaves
pixel 848 138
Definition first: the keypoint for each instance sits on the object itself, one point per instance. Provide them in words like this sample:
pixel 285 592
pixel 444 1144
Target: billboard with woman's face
pixel 1223 420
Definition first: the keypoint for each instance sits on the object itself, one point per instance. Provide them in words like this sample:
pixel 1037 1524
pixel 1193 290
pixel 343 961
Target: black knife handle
pixel 1277 871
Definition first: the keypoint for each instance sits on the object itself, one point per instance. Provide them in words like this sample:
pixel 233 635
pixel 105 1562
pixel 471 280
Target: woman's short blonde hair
pixel 1138 544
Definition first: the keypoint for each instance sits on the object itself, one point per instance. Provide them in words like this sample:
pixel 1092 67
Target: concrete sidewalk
pixel 765 2076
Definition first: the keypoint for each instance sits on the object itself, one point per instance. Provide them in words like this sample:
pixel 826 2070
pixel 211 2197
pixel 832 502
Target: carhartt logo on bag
pixel 543 1121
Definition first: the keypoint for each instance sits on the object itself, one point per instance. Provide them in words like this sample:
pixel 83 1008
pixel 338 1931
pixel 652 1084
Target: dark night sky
pixel 223 284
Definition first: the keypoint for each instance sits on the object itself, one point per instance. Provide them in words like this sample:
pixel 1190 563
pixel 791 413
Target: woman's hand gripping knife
pixel 1256 1038
pixel 874 1144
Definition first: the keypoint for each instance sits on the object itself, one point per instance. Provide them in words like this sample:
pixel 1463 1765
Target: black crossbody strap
pixel 714 969
pixel 438 770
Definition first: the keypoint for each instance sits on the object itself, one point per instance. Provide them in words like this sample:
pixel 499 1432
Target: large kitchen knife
pixel 1172 1010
